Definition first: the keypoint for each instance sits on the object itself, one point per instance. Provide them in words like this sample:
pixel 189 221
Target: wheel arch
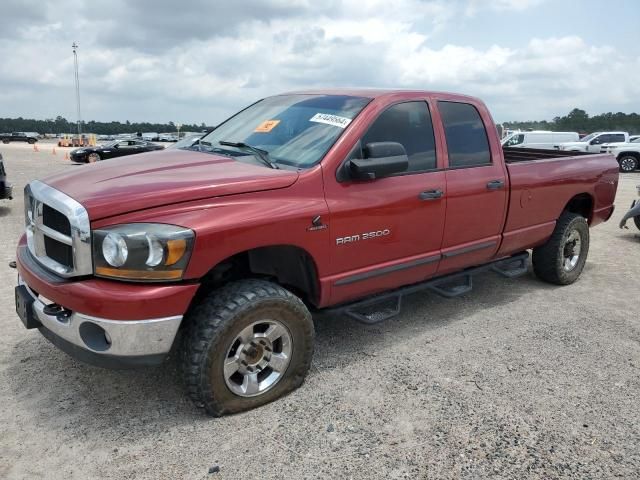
pixel 291 266
pixel 628 154
pixel 582 204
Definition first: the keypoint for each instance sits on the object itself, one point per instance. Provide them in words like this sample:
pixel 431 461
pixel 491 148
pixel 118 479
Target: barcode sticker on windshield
pixel 334 120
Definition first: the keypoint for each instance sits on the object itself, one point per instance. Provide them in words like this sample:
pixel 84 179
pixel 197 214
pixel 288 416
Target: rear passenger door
pixel 477 188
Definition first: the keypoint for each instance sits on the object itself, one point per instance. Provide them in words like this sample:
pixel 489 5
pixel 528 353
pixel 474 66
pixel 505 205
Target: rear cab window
pixel 467 141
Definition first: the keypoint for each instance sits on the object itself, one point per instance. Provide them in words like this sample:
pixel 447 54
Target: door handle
pixel 495 185
pixel 431 194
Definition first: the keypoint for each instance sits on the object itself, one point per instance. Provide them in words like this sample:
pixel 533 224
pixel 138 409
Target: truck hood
pixel 146 180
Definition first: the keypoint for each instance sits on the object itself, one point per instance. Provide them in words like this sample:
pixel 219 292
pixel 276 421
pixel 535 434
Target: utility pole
pixel 75 67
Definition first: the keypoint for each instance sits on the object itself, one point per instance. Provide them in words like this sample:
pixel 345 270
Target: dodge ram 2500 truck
pixel 299 202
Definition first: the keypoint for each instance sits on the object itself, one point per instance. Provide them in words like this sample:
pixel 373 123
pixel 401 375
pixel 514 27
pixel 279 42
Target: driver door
pixel 388 231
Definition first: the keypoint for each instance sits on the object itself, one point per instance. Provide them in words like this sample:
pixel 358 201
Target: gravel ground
pixel 517 379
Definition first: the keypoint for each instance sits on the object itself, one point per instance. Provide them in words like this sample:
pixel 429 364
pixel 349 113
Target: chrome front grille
pixel 58 230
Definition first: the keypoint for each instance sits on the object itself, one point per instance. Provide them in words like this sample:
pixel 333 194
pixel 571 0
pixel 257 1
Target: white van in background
pixel 542 139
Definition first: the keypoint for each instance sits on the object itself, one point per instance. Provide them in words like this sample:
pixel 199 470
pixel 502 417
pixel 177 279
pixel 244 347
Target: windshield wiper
pixel 260 153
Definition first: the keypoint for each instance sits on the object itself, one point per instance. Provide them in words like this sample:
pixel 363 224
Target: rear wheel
pixel 561 260
pixel 32 141
pixel 628 163
pixel 94 157
pixel 5 141
pixel 246 344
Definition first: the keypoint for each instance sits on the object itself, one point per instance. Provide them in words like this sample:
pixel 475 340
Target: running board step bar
pixel 387 305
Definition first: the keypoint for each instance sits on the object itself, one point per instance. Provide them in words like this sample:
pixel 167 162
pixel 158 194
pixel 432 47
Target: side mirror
pixel 596 141
pixel 116 146
pixel 381 159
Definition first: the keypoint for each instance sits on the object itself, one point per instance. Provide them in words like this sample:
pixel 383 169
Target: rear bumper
pixel 6 190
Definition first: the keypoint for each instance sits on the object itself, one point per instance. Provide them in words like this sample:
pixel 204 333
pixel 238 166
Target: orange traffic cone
pixel 35 148
pixel 53 152
pixel 66 156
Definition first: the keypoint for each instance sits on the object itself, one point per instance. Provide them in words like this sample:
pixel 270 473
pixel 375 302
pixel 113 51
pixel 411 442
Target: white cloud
pixel 207 67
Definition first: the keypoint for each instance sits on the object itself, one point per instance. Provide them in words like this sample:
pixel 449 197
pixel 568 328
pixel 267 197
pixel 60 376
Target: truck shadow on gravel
pixel 72 398
pixel 4 211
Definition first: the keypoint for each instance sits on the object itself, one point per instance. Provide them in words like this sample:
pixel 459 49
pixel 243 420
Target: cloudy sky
pixel 199 61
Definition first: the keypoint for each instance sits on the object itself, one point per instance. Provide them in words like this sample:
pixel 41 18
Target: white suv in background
pixel 594 141
pixel 627 154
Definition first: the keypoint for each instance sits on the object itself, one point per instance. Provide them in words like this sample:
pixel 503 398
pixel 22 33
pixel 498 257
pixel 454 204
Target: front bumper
pixel 106 323
pixel 633 212
pixel 79 158
pixel 104 342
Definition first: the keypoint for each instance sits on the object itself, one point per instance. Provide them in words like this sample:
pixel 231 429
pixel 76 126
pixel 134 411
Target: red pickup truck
pixel 300 202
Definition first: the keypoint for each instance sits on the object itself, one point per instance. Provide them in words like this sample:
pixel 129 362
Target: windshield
pixel 295 130
pixel 591 136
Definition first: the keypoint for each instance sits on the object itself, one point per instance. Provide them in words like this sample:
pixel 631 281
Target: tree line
pixel 579 121
pixel 62 125
pixel 576 121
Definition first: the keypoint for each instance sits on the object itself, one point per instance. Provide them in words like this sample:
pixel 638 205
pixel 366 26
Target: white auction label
pixel 334 120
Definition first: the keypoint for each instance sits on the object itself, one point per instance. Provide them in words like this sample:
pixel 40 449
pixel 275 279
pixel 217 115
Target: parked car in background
pixel 168 137
pixel 592 142
pixel 634 212
pixel 151 136
pixel 6 189
pixel 29 137
pixel 187 142
pixel 118 148
pixel 627 154
pixel 546 140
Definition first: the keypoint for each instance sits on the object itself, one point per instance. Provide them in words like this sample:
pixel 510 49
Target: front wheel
pixel 31 141
pixel 628 163
pixel 246 344
pixel 561 260
pixel 94 157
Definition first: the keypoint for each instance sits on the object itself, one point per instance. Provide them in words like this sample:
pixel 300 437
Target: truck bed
pixel 514 154
pixel 544 182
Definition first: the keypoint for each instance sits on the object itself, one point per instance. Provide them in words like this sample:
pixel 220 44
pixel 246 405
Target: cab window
pixel 410 125
pixel 466 136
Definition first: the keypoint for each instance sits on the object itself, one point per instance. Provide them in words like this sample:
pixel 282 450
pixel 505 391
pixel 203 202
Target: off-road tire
pixel 628 163
pixel 214 323
pixel 548 258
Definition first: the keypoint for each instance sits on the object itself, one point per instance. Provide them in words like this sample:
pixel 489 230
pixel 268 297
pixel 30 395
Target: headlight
pixel 142 251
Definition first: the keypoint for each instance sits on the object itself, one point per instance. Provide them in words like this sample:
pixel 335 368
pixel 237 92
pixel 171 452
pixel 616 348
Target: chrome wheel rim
pixel 93 157
pixel 628 164
pixel 571 251
pixel 258 358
